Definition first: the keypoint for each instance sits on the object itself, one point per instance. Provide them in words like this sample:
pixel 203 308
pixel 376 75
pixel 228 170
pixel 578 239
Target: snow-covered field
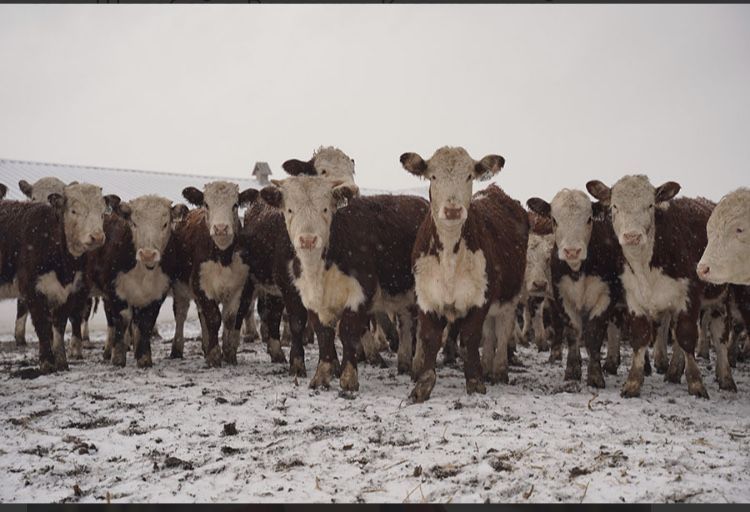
pixel 165 435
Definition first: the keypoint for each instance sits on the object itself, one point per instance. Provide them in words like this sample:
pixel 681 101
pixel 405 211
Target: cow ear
pixel 56 200
pixel 248 196
pixel 488 166
pixel 272 195
pixel 296 167
pixel 3 190
pixel 539 206
pixel 193 196
pixel 178 212
pixel 413 163
pixel 26 188
pixel 123 210
pixel 344 193
pixel 667 191
pixel 113 202
pixel 73 183
pixel 600 191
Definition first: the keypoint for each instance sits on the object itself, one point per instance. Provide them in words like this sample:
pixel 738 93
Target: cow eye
pixel 740 230
pixel 289 210
pixel 323 172
pixel 236 205
pixel 468 178
pixel 650 206
pixel 325 210
pixel 590 220
pixel 614 207
pixel 73 212
pixel 554 222
pixel 165 225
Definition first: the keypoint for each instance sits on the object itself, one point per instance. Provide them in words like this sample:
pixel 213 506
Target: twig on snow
pixel 527 494
pixel 395 464
pixel 412 491
pixel 585 491
pixel 596 395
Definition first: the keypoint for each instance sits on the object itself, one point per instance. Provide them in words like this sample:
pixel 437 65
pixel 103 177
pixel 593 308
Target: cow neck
pixel 312 264
pixel 641 258
pixel 449 236
pixel 223 256
pixel 68 259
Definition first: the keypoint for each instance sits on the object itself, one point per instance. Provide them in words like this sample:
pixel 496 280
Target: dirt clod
pixel 230 429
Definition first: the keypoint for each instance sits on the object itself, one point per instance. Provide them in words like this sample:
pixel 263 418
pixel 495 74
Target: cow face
pixel 330 162
pixel 42 188
pixel 633 201
pixel 572 217
pixel 727 255
pixel 151 219
pixel 308 205
pixel 538 271
pixel 451 172
pixel 221 200
pixel 83 208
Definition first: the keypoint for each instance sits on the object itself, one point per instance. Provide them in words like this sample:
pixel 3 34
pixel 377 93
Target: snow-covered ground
pixel 162 434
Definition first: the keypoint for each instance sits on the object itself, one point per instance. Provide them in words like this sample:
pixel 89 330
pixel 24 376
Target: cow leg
pixel 676 363
pixel 110 340
pixel 389 327
pixel 122 316
pixel 524 333
pixel 573 363
pixel 59 320
pixel 352 326
pixel 719 327
pixel 661 361
pixel 704 342
pixel 405 348
pixel 471 335
pixel 640 337
pixel 88 306
pixel 612 362
pixel 558 320
pixel 144 320
pixel 431 328
pixel 327 359
pixel 371 348
pixel 286 333
pixel 489 345
pixel 271 308
pixel 593 332
pixel 249 331
pixel 417 362
pixel 504 323
pixel 450 348
pixel 537 324
pixel 41 319
pixel 686 334
pixel 180 307
pixel 76 337
pixel 22 312
pixel 209 310
pixel 297 314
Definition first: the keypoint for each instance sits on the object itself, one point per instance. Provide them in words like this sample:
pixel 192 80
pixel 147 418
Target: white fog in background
pixel 565 92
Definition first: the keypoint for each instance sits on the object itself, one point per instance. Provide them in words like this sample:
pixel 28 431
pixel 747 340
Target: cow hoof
pixel 76 354
pixel 20 341
pixel 323 375
pixel 175 354
pixel 573 373
pixel 274 350
pixel 476 386
pixel 61 366
pixel 46 367
pixel 423 387
pixel 595 379
pixel 213 358
pixel 230 357
pixel 514 361
pixel 697 389
pixel 349 380
pixel 377 361
pixel 403 367
pixel 610 367
pixel 727 384
pixel 647 367
pixel 630 389
pixel 555 355
pixel 145 361
pixel 496 377
pixel 118 359
pixel 661 367
pixel 542 347
pixel 673 376
pixel 249 338
pixel 297 368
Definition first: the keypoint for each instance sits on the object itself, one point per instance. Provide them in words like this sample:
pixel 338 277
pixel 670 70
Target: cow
pixel 537 282
pixel 211 271
pixel 469 261
pixel 662 240
pixel 38 192
pixel 586 266
pixel 133 271
pixel 727 255
pixel 44 249
pixel 351 260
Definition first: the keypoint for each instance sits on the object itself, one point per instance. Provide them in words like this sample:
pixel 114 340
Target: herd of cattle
pixel 454 272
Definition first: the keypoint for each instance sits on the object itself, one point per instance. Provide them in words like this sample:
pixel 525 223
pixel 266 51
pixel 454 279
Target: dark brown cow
pixel 662 240
pixel 469 261
pixel 349 262
pixel 44 248
pixel 211 270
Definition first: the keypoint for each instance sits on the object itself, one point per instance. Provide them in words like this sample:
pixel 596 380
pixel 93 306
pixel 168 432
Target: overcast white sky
pixel 565 93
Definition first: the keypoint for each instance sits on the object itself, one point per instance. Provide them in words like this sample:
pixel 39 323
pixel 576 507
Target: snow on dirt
pixel 180 432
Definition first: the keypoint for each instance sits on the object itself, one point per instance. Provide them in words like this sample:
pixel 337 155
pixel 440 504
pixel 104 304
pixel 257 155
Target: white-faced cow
pixel 133 272
pixel 469 262
pixel 211 270
pixel 44 249
pixel 351 260
pixel 537 282
pixel 727 255
pixel 662 240
pixel 586 266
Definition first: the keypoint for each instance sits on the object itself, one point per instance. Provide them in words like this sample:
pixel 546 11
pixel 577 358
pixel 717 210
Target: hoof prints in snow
pixel 180 432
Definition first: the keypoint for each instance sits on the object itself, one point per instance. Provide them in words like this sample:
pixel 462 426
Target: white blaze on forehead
pixel 451 173
pixel 308 198
pixel 538 255
pixel 221 197
pixel 633 192
pixel 83 218
pixel 150 222
pixel 631 201
pixel 727 254
pixel 336 164
pixel 43 187
pixel 572 210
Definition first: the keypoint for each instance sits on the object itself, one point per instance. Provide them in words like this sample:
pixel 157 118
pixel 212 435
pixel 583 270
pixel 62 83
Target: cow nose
pixel 703 270
pixel 540 285
pixel 148 255
pixel 221 229
pixel 572 254
pixel 96 238
pixel 632 238
pixel 307 241
pixel 452 213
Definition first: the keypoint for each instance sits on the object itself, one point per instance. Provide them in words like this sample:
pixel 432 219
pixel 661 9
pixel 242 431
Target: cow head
pixel 632 201
pixel 572 219
pixel 725 259
pixel 451 172
pixel 330 162
pixel 308 205
pixel 538 272
pixel 82 208
pixel 151 219
pixel 221 201
pixel 42 188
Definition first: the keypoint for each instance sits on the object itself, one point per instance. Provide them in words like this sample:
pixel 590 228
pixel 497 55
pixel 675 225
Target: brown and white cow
pixel 44 249
pixel 133 271
pixel 211 270
pixel 351 260
pixel 469 262
pixel 586 266
pixel 662 240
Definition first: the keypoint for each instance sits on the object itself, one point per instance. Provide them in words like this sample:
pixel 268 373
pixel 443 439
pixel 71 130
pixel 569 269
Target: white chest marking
pixel 140 286
pixel 327 291
pixel 586 295
pixel 222 283
pixel 452 283
pixel 49 286
pixel 648 291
